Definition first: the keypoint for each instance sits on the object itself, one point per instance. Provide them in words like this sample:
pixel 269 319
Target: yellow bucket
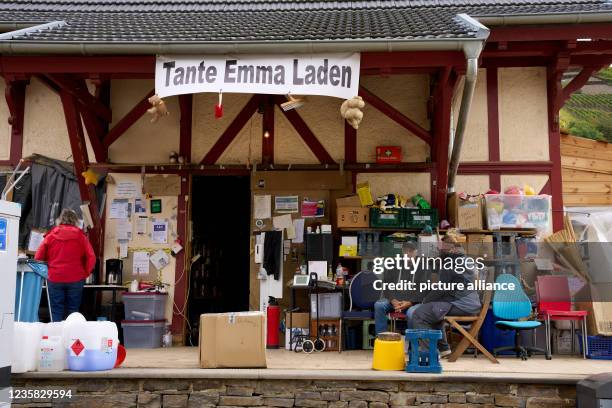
pixel 389 355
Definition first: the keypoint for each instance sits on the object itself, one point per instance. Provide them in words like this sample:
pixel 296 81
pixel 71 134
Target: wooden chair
pixel 474 322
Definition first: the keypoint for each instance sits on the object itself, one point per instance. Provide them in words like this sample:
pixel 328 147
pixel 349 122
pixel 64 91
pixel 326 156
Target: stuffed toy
pixel 90 177
pixel 158 108
pixel 351 111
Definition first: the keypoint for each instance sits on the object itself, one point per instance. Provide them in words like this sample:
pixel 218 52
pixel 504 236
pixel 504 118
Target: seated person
pixel 439 303
pixel 411 299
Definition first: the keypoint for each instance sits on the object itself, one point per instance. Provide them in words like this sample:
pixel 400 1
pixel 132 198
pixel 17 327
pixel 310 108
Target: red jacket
pixel 68 253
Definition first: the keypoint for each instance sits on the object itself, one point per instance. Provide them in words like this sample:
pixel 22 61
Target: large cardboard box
pixel 599 307
pixel 233 340
pixel 295 319
pixel 480 245
pixel 465 214
pixel 353 217
pixel 350 201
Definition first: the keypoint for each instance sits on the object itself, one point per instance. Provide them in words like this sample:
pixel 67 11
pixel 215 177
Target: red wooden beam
pixel 493 125
pixel 112 64
pixel 81 93
pixel 555 95
pixel 513 167
pixel 97 128
pixel 395 115
pixel 81 163
pixel 415 59
pixel 443 99
pixel 551 32
pixel 267 132
pixel 232 131
pixel 578 82
pixel 186 108
pixel 14 93
pixel 306 134
pixel 128 120
pixel 350 144
pixel 180 276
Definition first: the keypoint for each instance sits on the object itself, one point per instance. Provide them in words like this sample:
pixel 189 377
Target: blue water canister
pixel 30 276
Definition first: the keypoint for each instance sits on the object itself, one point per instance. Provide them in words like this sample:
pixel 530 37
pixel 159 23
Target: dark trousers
pixel 431 316
pixel 65 298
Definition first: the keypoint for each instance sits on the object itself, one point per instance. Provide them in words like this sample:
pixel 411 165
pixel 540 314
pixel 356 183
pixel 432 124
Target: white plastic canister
pixel 91 346
pixel 26 337
pixel 51 354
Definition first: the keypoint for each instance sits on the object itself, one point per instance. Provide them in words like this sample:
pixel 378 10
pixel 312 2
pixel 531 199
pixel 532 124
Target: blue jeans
pixel 382 308
pixel 65 298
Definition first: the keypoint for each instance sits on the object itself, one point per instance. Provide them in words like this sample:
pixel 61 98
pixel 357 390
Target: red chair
pixel 555 303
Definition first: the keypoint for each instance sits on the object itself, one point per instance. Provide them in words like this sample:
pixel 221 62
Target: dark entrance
pixel 221 211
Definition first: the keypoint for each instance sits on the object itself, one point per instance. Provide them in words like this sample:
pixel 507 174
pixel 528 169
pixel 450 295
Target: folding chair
pixel 475 323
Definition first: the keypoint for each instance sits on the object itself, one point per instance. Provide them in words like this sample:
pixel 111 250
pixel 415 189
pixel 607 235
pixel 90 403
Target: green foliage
pixel 588 116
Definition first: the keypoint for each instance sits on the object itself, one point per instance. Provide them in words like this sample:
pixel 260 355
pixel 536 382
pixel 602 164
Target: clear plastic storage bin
pixel 143 333
pixel 144 305
pixel 519 211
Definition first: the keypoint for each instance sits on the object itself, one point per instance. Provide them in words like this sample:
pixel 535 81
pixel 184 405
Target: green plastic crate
pixel 420 218
pixel 391 218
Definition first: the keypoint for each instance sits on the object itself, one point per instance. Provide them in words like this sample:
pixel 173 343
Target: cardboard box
pixel 350 201
pixel 480 245
pixel 353 217
pixel 297 320
pixel 233 340
pixel 599 308
pixel 465 214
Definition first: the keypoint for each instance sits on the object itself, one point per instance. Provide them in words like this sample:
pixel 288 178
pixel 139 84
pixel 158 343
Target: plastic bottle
pixel 167 337
pixel 51 354
pixel 339 275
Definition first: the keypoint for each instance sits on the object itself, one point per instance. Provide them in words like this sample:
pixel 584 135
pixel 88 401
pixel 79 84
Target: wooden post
pixel 15 98
pixel 81 163
pixel 493 125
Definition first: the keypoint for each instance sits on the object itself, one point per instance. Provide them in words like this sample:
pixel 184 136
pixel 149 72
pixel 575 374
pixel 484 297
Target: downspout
pixel 472 52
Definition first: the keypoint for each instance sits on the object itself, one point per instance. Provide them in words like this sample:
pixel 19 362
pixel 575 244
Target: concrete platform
pixel 182 362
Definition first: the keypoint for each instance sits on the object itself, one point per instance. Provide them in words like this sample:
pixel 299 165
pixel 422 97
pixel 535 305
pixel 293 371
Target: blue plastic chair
pixel 510 305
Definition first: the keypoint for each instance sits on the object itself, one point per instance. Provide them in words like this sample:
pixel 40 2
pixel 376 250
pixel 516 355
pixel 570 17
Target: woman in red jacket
pixel 70 259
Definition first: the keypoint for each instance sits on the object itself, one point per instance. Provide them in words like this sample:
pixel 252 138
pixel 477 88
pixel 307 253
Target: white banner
pixel 301 74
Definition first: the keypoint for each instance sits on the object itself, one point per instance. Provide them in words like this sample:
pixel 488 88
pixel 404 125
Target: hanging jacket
pixel 68 253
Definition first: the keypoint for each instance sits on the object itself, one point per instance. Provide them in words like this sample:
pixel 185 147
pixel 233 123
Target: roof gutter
pixel 472 53
pixel 560 18
pixel 235 47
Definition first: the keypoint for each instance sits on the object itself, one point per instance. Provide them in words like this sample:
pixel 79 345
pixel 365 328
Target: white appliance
pixel 9 235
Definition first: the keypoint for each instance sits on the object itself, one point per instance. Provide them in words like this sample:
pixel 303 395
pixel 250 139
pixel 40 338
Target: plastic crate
pixel 420 218
pixel 143 333
pixel 599 347
pixel 144 305
pixel 391 218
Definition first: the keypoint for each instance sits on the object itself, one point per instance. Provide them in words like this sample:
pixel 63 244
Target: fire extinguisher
pixel 273 319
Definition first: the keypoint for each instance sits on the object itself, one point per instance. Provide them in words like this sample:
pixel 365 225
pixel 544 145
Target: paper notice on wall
pixel 163 185
pixel 262 207
pixel 36 238
pixel 119 209
pixel 127 189
pixel 123 248
pixel 140 263
pixel 140 206
pixel 298 226
pixel 159 234
pixel 282 222
pixel 160 259
pixel 141 225
pixel 123 230
pixel 313 209
pixel 286 204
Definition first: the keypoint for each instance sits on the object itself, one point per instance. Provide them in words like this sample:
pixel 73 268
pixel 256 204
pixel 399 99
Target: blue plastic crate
pixel 599 347
pixel 423 361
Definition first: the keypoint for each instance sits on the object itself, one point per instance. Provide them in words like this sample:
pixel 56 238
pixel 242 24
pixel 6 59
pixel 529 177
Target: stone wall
pixel 175 393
